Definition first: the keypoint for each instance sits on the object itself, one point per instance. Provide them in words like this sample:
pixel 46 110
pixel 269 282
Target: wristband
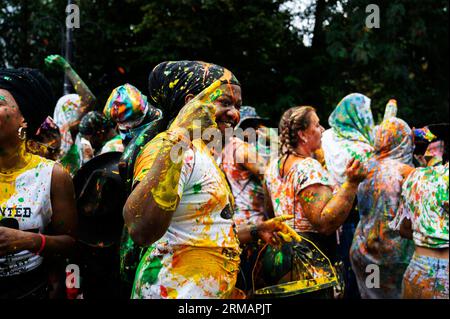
pixel 43 241
pixel 254 232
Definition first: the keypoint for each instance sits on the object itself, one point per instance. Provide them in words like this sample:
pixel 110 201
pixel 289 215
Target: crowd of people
pixel 183 192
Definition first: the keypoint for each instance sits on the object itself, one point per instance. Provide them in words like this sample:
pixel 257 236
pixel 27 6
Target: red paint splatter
pixel 163 291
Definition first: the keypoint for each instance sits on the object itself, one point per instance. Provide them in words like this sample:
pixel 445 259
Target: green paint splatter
pixel 278 258
pixel 2 98
pixel 148 270
pixel 21 199
pixel 214 96
pixel 197 188
pixel 150 274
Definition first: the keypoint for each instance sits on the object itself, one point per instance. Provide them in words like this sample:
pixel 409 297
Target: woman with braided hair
pixel 298 185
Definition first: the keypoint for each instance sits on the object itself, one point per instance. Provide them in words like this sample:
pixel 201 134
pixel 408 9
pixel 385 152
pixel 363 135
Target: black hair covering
pixel 170 82
pixel 33 94
pixel 93 123
pixel 442 132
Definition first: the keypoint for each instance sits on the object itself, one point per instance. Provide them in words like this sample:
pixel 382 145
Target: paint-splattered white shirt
pixel 198 256
pixel 25 197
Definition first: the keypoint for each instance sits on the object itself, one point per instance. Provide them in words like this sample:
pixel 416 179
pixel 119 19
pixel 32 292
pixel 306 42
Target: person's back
pixel 426 201
pixel 374 242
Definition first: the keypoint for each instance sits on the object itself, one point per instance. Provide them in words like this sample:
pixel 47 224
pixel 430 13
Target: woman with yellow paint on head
pixel 182 206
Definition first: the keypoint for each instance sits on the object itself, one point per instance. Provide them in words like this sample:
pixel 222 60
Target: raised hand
pixel 355 171
pixel 199 113
pixel 56 60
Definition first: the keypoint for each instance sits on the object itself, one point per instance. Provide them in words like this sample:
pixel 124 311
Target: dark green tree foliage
pixel 406 58
pixel 102 50
pixel 122 40
pixel 252 38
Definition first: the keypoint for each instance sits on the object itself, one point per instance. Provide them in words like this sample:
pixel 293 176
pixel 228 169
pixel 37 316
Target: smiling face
pixel 10 117
pixel 227 107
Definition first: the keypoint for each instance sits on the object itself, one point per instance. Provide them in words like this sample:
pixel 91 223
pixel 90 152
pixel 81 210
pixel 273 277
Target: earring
pixel 22 133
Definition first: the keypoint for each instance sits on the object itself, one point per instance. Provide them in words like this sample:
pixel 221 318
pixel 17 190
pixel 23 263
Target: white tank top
pixel 25 197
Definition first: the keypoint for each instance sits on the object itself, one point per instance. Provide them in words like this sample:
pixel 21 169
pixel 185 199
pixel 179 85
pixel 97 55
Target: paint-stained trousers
pixel 426 278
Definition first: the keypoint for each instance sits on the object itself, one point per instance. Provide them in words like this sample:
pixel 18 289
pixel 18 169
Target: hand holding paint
pixel 275 229
pixel 56 60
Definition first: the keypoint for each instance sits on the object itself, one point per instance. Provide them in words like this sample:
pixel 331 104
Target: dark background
pixel 121 41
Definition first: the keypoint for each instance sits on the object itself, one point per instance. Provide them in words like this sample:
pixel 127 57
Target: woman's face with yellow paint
pixel 227 106
pixel 10 117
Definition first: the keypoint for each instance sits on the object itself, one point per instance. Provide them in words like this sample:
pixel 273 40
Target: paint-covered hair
pixel 297 118
pixel 171 81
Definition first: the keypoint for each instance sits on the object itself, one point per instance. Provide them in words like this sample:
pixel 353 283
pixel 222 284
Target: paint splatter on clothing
pixel 390 109
pixel 80 152
pixel 352 119
pixel 25 197
pixel 350 136
pixel 198 256
pixel 268 143
pixel 426 278
pixel 73 153
pixel 284 190
pixel 378 201
pixel 67 112
pixel 113 145
pixel 425 202
pixel 246 187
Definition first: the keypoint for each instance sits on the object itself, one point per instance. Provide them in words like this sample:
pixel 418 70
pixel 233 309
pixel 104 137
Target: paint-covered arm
pixel 87 97
pixel 158 169
pixel 149 208
pixel 269 231
pixel 325 211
